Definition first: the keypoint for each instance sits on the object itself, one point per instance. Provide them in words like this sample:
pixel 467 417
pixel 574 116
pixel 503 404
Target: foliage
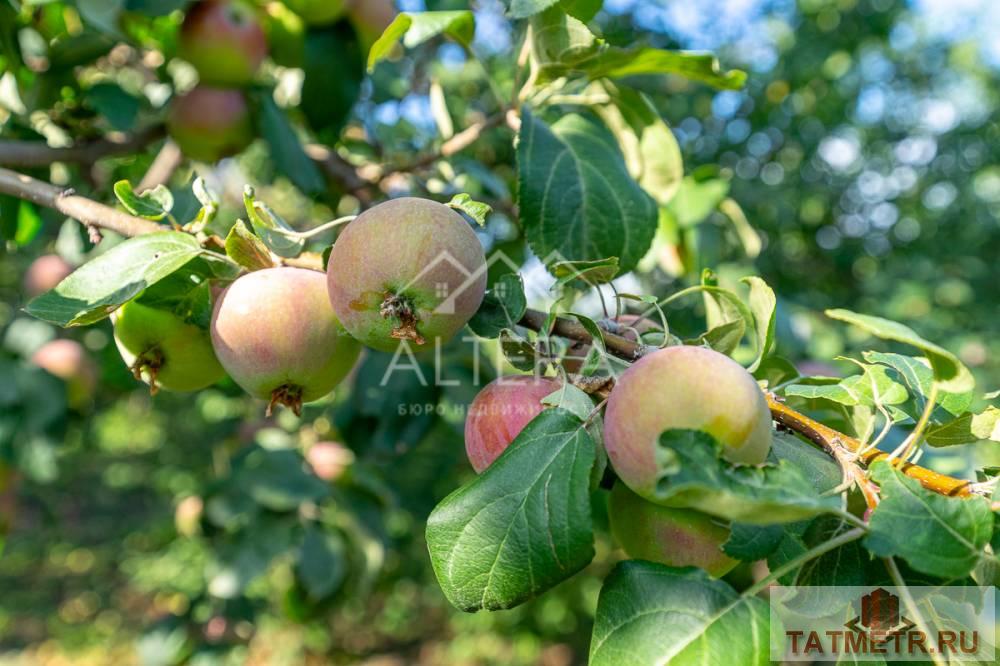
pixel 598 174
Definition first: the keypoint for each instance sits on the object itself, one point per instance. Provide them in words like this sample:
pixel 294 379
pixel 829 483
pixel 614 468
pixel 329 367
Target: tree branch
pixel 817 433
pixel 26 154
pixel 89 213
pixel 93 214
pixel 163 167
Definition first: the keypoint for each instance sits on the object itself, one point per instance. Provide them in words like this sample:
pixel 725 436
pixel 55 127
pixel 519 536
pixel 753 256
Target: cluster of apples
pixel 227 41
pixel 680 387
pixel 290 335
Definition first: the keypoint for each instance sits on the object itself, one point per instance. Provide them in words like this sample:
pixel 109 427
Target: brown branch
pixel 87 212
pixel 163 167
pixel 342 172
pixel 825 437
pixel 452 146
pixel 26 154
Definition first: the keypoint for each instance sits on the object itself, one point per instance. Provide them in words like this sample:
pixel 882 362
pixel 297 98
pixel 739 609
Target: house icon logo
pixel 880 615
pixel 444 261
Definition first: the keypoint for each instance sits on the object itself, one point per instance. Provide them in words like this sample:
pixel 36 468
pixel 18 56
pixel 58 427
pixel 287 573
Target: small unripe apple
pixel 408 269
pixel 671 536
pixel 68 360
pixel 318 12
pixel 224 41
pixel 210 123
pixel 500 412
pixel 329 460
pixel 45 273
pixel 163 350
pixel 683 387
pixel 277 336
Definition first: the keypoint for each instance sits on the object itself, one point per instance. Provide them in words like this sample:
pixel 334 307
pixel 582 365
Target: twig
pixel 87 212
pixel 93 214
pixel 452 146
pixel 163 167
pixel 25 154
pixel 342 172
pixel 821 435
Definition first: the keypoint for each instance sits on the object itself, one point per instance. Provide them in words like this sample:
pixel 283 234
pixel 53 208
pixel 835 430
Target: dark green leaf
pixel 577 198
pixel 519 352
pixel 289 156
pixel 524 525
pixel 694 475
pixel 322 563
pixel 112 102
pixel 966 429
pixel 502 308
pixel 752 542
pixel 652 614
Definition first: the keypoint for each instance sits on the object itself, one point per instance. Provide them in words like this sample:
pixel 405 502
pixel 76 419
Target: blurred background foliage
pixel 155 531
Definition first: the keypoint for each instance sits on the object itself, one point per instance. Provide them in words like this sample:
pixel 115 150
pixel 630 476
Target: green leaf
pixel 270 227
pixel 650 614
pixel 585 10
pixel 617 63
pixel 724 338
pixel 650 148
pixel 966 429
pixel 764 307
pixel 154 204
pixel 871 388
pixel 819 469
pixel 286 149
pixel 694 475
pixel 949 372
pixel 750 543
pixel 101 286
pixel 936 535
pixel 576 196
pixel 111 101
pixel 917 374
pixel 503 306
pixel 209 206
pixel 599 271
pixel 519 352
pixel 695 200
pixel 278 481
pixel 519 9
pixel 246 249
pixel 322 563
pixel 477 210
pixel 521 527
pixel 415 28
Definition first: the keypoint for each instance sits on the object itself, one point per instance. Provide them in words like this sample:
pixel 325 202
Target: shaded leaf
pixel 246 249
pixel 502 307
pixel 650 614
pixel 521 527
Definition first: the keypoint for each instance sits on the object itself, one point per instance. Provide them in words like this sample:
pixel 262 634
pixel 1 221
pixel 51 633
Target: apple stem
pixel 288 395
pixel 149 361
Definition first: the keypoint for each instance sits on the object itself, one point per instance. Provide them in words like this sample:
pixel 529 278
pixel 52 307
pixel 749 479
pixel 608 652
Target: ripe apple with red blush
pixel 500 412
